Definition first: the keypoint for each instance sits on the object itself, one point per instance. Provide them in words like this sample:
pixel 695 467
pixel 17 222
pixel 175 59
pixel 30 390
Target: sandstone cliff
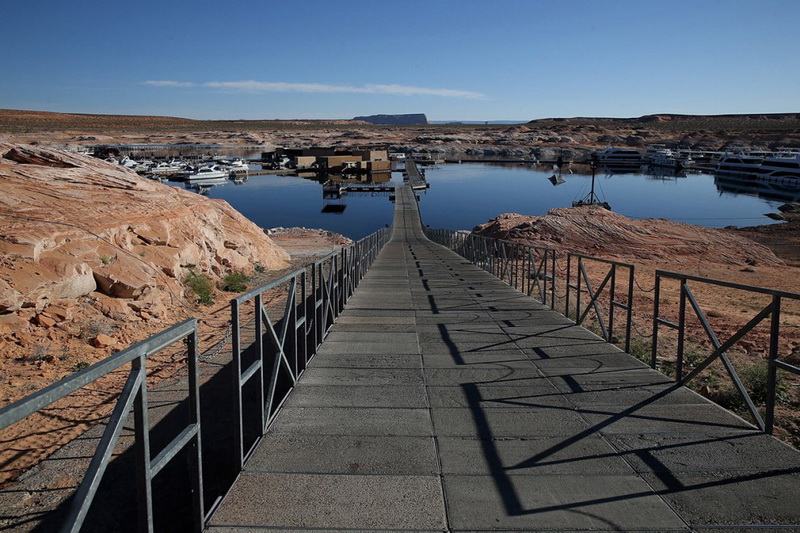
pixel 75 225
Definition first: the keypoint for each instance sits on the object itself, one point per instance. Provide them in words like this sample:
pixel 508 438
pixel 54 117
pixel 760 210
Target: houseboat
pixel 739 164
pixel 781 166
pixel 619 156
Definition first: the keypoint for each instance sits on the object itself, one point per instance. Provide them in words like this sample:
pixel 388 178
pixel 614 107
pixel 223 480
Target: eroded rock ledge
pixel 94 257
pixel 73 225
pixel 596 231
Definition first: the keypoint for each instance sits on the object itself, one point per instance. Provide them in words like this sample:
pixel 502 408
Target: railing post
pixel 196 448
pixel 305 318
pixel 681 331
pixel 552 278
pixel 578 291
pixel 258 304
pixel 236 346
pixel 611 306
pixel 515 264
pixel 316 289
pixel 772 371
pixel 656 311
pixel 142 450
pixel 569 283
pixel 629 317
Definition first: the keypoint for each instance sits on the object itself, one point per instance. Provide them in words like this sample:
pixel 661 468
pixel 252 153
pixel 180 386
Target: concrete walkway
pixel 444 400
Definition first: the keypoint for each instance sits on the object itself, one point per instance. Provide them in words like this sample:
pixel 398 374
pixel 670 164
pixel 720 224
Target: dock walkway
pixel 444 400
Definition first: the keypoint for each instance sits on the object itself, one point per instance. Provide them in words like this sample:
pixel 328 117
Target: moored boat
pixel 619 156
pixel 781 166
pixel 207 172
pixel 664 157
pixel 167 169
pixel 738 164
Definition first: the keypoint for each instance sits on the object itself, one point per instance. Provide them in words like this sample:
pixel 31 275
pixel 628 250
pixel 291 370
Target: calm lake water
pixel 463 196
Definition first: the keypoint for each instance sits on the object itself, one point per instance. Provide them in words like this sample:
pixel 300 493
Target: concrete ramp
pixel 444 400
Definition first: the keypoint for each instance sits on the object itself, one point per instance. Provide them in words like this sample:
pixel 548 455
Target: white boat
pixel 168 169
pixel 664 157
pixel 737 164
pixel 127 162
pixel 208 172
pixel 619 156
pixel 654 150
pixel 238 166
pixel 781 166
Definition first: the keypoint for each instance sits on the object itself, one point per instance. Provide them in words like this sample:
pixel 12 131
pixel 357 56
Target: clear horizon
pixel 454 61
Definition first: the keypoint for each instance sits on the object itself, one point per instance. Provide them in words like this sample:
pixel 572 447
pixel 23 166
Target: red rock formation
pixel 603 233
pixel 73 225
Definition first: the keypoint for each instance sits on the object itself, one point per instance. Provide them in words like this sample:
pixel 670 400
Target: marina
pixel 303 188
pixel 463 196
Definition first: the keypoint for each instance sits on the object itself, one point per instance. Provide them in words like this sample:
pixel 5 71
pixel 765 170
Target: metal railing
pixel 277 354
pixel 583 284
pixel 279 351
pixel 772 310
pixel 525 267
pixel 133 395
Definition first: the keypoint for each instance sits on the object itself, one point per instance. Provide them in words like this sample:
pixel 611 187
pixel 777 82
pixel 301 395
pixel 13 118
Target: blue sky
pixel 453 60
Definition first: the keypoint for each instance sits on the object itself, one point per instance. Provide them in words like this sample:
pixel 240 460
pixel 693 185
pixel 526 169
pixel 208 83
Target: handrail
pixel 610 280
pixel 772 310
pixel 315 297
pixel 525 267
pixel 280 350
pixel 134 394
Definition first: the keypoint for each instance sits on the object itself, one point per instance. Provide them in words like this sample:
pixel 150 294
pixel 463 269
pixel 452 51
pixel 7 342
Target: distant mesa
pixel 701 121
pixel 395 120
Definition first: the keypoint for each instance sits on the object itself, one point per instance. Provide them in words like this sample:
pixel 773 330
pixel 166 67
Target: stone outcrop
pixel 73 225
pixel 599 232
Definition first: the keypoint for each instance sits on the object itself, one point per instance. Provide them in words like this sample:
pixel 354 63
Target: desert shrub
pixel 235 282
pixel 728 397
pixel 39 352
pixel 80 365
pixel 641 349
pixel 692 357
pixel 202 286
pixel 92 328
pixel 756 381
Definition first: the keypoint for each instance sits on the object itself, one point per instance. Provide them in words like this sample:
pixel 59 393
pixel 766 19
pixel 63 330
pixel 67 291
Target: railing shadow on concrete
pixel 276 351
pixel 525 267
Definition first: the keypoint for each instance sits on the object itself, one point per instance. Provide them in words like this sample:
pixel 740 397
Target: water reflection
pixel 465 195
pixel 783 189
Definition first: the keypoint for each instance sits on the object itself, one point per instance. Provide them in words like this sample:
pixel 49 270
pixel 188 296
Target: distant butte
pixel 395 120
